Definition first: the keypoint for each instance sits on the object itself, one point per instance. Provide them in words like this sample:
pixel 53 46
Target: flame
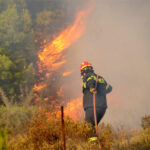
pixel 51 55
pixel 66 74
pixel 74 109
pixel 60 92
pixel 38 88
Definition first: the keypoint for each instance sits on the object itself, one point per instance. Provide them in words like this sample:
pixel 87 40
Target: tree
pixel 17 48
pixel 6 74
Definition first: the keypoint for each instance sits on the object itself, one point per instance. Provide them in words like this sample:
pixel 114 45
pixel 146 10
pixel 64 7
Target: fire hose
pixel 95 116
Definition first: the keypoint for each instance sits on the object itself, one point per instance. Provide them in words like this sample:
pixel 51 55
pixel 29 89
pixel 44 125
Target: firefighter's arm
pixel 91 84
pixel 108 87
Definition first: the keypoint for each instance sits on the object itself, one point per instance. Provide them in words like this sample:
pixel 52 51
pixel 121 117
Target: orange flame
pixel 38 88
pixel 66 74
pixel 74 109
pixel 51 57
pixel 60 92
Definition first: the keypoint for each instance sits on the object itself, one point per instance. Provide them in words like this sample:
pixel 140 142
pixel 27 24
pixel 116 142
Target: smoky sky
pixel 117 43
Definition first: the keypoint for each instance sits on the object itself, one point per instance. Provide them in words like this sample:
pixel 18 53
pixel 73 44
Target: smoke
pixel 116 42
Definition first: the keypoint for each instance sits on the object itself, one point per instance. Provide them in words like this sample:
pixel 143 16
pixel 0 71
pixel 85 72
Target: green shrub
pixel 3 139
pixel 15 117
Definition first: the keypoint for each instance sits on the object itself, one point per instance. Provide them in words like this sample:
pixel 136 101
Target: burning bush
pixel 45 133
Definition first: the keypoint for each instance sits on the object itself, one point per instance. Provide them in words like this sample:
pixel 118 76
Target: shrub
pixel 133 139
pixel 45 133
pixel 3 139
pixel 14 116
pixel 106 136
pixel 145 122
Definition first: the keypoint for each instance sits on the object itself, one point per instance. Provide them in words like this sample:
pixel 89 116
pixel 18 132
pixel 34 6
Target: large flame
pixel 51 57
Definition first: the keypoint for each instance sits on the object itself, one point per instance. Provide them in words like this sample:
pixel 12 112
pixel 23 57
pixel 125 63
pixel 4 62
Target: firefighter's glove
pixel 93 139
pixel 92 90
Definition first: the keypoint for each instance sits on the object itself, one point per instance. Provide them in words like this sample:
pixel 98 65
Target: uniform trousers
pixel 89 114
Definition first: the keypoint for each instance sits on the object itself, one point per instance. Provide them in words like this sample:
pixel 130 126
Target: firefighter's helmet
pixel 85 65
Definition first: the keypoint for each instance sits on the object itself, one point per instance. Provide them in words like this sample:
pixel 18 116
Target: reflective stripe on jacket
pixel 102 89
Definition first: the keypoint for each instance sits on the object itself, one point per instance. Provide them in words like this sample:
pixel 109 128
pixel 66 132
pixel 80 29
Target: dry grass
pixel 30 129
pixel 45 133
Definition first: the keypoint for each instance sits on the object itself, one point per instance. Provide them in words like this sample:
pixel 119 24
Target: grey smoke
pixel 117 43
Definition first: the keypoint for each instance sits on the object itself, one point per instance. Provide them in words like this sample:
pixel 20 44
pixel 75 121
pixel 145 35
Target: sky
pixel 117 43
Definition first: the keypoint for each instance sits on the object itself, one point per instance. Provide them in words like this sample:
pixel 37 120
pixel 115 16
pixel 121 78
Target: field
pixel 34 129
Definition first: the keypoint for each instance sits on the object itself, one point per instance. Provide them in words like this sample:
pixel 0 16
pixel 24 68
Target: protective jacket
pixel 89 81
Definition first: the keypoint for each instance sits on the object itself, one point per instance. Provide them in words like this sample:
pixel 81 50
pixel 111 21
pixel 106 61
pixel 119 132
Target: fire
pixel 38 88
pixel 66 74
pixel 51 57
pixel 60 92
pixel 74 109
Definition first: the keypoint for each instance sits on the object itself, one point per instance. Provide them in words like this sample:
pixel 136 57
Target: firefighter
pixel 89 83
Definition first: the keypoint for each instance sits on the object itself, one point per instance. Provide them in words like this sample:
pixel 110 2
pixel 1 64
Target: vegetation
pixel 3 139
pixel 24 26
pixel 45 133
pixel 23 127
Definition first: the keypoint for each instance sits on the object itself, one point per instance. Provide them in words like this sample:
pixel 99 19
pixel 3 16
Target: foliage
pixel 106 136
pixel 16 117
pixel 24 26
pixel 146 122
pixel 22 23
pixel 16 48
pixel 13 117
pixel 3 139
pixel 45 133
pixel 131 139
pixel 6 75
pixel 47 24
